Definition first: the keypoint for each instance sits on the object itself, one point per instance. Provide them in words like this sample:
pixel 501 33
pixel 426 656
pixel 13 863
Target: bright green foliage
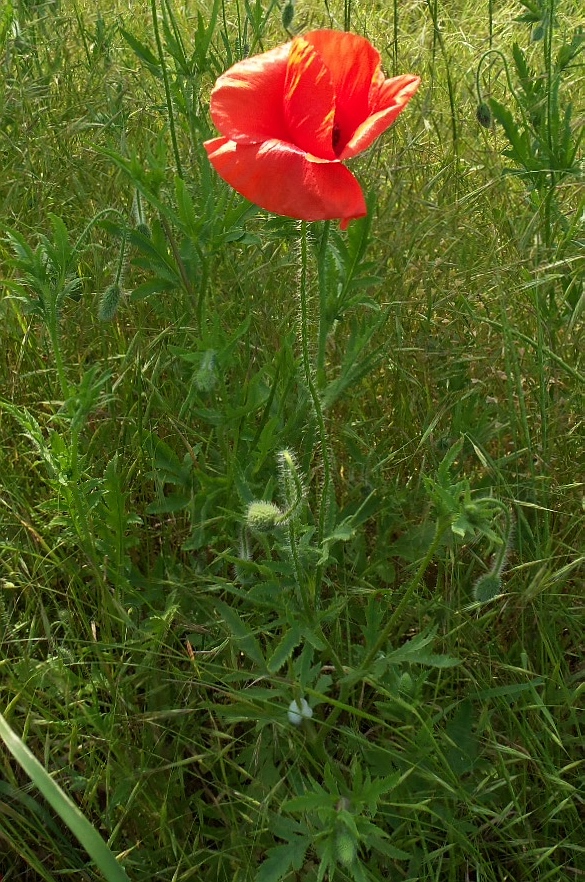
pixel 291 523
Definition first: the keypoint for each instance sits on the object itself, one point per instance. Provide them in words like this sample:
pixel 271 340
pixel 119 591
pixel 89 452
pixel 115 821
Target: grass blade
pixel 87 835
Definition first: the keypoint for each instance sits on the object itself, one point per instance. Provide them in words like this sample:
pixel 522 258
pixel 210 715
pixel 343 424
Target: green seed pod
pixel 487 587
pixel 263 517
pixel 344 847
pixel 110 300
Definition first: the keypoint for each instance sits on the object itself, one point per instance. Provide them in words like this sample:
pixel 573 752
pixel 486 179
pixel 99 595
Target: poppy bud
pixel 109 302
pixel 484 115
pixel 344 847
pixel 288 13
pixel 262 517
pixel 487 587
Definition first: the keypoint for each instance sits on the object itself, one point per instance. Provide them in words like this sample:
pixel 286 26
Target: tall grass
pixel 283 598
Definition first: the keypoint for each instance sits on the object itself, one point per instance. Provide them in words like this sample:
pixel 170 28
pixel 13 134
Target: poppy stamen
pixel 335 136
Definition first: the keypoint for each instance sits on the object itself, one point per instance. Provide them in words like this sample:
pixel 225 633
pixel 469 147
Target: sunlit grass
pixel 149 651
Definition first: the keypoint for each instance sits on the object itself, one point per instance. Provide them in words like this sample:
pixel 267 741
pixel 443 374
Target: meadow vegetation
pixel 215 504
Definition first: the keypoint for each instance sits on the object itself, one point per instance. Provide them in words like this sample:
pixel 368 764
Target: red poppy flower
pixel 290 116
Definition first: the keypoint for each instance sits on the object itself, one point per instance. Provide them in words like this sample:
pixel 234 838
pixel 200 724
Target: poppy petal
pixel 309 101
pixel 353 64
pixel 283 179
pixel 246 101
pixel 392 98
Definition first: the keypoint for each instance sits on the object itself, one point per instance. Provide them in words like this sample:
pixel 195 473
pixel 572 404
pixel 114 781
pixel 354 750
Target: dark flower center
pixel 335 136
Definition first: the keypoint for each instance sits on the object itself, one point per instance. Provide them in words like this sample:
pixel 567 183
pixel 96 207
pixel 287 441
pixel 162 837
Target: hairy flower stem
pixel 440 527
pixel 324 323
pixel 324 501
pixel 305 596
pixel 307 599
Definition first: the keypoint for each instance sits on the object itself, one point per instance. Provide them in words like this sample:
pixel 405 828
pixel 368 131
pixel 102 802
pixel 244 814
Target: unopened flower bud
pixel 344 847
pixel 288 13
pixel 262 517
pixel 487 587
pixel 484 115
pixel 109 302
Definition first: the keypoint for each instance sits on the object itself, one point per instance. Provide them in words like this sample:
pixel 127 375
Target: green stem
pixel 53 328
pixel 299 574
pixel 317 407
pixel 307 599
pixel 324 324
pixel 165 77
pixel 441 526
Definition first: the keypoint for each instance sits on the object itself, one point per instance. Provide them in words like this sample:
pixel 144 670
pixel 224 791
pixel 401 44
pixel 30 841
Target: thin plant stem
pixel 324 324
pixel 324 500
pixel 306 597
pixel 165 76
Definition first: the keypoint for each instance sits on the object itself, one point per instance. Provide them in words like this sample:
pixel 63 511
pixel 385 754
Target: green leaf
pixel 282 858
pixel 87 835
pixel 311 802
pixel 379 844
pixel 145 54
pixel 290 640
pixel 462 753
pixel 414 652
pixel 243 635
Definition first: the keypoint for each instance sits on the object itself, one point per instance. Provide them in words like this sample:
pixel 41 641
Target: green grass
pixel 151 642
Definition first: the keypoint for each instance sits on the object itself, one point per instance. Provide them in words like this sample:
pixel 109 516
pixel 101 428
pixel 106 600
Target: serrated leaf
pixel 289 641
pixel 245 638
pixel 169 504
pixel 310 802
pixel 414 652
pixel 282 858
pixel 142 52
pixel 384 847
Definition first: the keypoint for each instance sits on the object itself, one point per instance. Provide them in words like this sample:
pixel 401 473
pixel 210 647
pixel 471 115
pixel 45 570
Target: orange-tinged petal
pixel 309 101
pixel 353 65
pixel 285 180
pixel 246 101
pixel 392 98
pixel 396 90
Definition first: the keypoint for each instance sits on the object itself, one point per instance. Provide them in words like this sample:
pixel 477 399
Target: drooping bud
pixel 109 302
pixel 287 15
pixel 484 115
pixel 487 587
pixel 263 517
pixel 291 483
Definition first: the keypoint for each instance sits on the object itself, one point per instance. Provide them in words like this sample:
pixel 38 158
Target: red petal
pixel 282 179
pixel 353 65
pixel 309 101
pixel 393 96
pixel 246 101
